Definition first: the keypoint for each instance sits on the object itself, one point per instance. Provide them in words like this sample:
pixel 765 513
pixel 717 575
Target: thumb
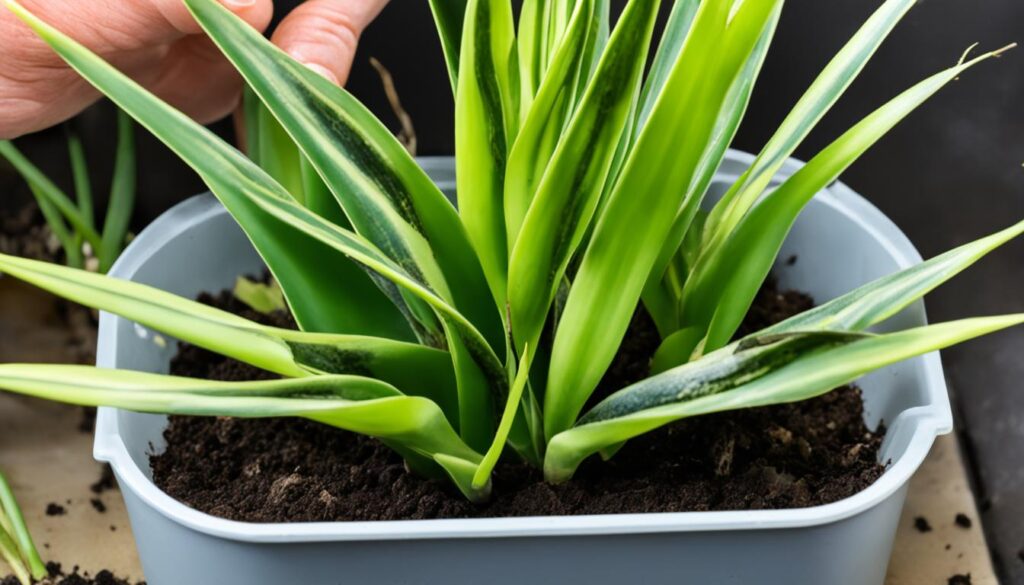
pixel 324 34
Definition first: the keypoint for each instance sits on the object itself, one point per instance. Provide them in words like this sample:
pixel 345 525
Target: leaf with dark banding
pixel 812 373
pixel 571 187
pixel 620 254
pixel 486 118
pixel 387 197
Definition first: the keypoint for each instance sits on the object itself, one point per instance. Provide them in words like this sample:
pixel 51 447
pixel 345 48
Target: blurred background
pixel 950 173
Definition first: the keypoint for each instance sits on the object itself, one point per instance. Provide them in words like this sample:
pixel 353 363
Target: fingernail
pixel 239 3
pixel 322 71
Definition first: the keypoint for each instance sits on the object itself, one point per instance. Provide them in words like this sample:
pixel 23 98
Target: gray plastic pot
pixel 841 241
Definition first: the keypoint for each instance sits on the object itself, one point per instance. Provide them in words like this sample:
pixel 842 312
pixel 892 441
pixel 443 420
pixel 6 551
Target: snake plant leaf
pixel 352 403
pixel 823 93
pixel 677 29
pixel 449 16
pixel 724 288
pixel 480 375
pixel 315 194
pixel 571 188
pixel 265 298
pixel 878 300
pixel 407 366
pixel 660 297
pixel 508 417
pixel 45 190
pixel 529 37
pixel 547 116
pixel 721 381
pixel 278 155
pixel 319 299
pixel 387 197
pixel 641 208
pixel 594 49
pixel 12 521
pixel 486 118
pixel 121 202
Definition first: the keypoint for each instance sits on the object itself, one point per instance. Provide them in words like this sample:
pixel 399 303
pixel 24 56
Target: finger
pixel 195 78
pixel 111 26
pixel 177 17
pixel 38 90
pixel 324 34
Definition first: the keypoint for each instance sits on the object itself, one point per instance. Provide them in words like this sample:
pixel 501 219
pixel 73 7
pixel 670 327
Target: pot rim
pixel 927 422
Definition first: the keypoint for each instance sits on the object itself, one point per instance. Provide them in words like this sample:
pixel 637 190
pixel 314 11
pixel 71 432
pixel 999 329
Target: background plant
pixel 16 546
pixel 453 334
pixel 72 220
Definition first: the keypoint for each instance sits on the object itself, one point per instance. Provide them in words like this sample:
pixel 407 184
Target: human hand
pixel 159 44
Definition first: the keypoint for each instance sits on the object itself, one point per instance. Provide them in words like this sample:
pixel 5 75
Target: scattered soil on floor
pixel 58 577
pixel 960 579
pixel 963 521
pixel 922 525
pixel 53 509
pixel 106 481
pixel 282 470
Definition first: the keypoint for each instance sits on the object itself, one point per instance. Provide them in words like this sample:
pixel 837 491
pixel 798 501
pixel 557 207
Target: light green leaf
pixel 722 288
pixel 515 397
pixel 529 44
pixel 83 185
pixel 288 353
pixel 640 211
pixel 542 129
pixel 714 384
pixel 660 297
pixel 826 90
pixel 122 195
pixel 677 29
pixel 486 116
pixel 278 155
pixel 571 187
pixel 878 300
pixel 9 553
pixel 449 16
pixel 13 523
pixel 261 297
pixel 353 403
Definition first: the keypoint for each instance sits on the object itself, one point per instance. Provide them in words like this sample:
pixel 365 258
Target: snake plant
pixel 460 335
pixel 16 546
pixel 71 220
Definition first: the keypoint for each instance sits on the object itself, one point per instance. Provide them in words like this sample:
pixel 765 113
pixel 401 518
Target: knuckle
pixel 323 23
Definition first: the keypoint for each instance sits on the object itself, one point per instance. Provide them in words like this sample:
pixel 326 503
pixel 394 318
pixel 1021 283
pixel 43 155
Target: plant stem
pixel 19 530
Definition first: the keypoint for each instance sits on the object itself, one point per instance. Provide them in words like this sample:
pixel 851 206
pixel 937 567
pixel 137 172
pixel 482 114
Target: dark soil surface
pixel 25 233
pixel 58 577
pixel 285 470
